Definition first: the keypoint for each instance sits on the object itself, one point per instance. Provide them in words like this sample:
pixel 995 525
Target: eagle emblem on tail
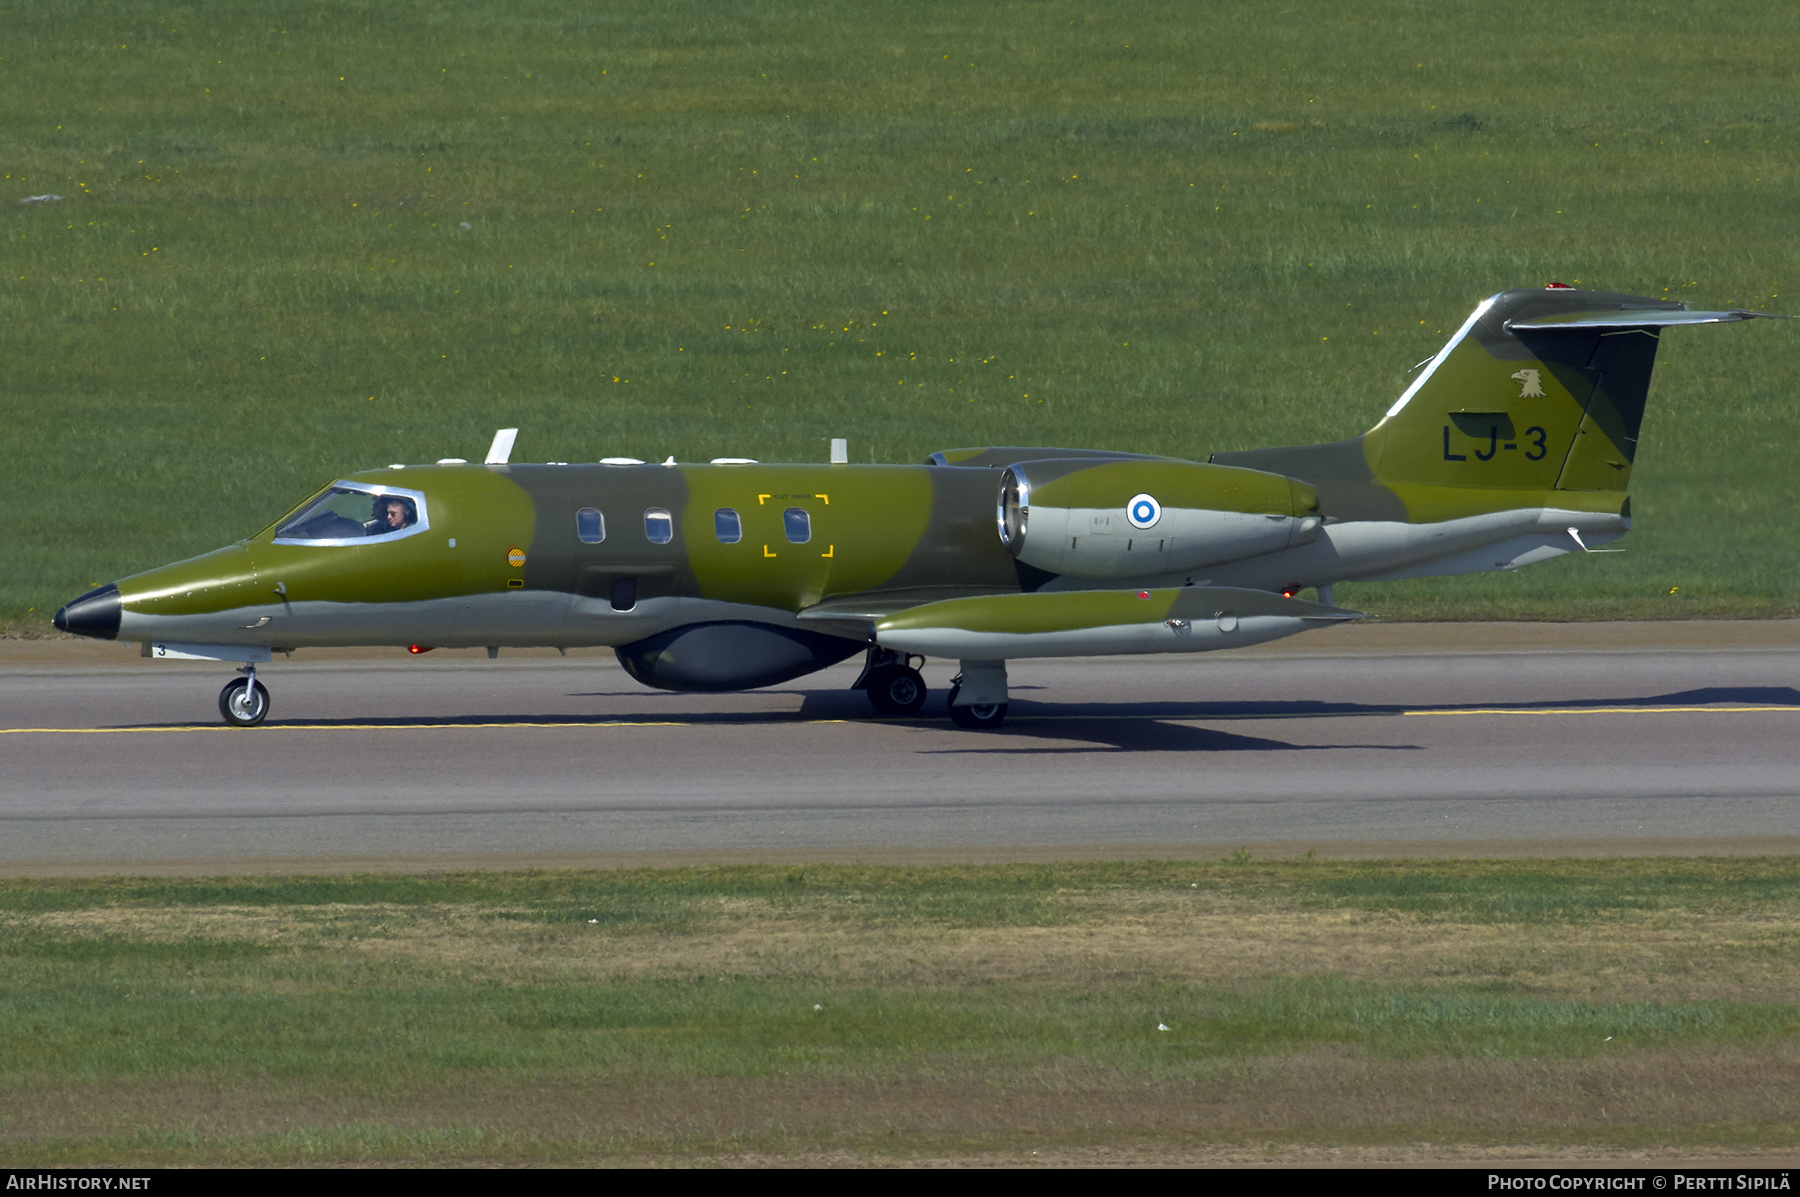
pixel 1530 387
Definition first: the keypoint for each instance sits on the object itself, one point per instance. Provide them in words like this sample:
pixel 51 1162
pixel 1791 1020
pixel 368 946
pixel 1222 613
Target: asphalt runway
pixel 1378 740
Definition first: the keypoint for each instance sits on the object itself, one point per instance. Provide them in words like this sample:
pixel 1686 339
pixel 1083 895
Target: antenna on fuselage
pixel 500 452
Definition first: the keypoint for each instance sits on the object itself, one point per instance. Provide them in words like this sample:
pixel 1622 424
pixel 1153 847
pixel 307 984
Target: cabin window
pixel 727 526
pixel 590 525
pixel 351 513
pixel 798 524
pixel 658 527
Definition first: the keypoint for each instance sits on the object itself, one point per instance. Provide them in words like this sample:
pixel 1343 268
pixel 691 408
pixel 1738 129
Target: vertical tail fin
pixel 1537 391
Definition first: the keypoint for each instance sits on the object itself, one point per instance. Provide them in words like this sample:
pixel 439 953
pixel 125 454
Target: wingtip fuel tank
pixel 1076 623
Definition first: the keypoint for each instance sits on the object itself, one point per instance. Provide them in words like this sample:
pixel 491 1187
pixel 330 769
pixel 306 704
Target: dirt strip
pixel 203 866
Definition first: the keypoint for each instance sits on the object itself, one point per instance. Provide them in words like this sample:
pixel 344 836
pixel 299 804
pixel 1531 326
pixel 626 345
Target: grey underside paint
pixel 515 618
pixel 1376 550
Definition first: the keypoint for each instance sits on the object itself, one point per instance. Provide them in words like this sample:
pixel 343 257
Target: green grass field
pixel 296 242
pixel 1174 1012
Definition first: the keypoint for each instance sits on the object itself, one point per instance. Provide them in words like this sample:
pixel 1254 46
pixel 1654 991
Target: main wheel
pixel 981 717
pixel 241 704
pixel 896 690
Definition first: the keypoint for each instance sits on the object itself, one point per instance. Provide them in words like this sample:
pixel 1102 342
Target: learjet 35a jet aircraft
pixel 1514 445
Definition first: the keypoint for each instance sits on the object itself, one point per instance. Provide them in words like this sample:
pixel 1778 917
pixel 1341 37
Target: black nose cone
pixel 95 614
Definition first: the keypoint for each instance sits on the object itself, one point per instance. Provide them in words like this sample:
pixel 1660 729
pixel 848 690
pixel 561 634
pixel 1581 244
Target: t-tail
pixel 1514 444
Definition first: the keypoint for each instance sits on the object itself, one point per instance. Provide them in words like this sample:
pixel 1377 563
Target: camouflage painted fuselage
pixel 1514 445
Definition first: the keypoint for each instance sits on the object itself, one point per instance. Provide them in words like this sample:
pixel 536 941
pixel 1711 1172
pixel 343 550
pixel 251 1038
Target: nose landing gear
pixel 244 701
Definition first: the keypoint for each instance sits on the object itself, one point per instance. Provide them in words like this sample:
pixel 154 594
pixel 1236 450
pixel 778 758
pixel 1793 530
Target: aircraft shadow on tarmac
pixel 1134 735
pixel 1128 726
pixel 835 705
pixel 1152 726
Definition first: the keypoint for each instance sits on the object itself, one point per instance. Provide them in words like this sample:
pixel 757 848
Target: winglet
pixel 500 452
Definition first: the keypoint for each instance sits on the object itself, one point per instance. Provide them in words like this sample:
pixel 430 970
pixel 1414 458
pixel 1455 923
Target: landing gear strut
pixel 984 716
pixel 978 695
pixel 244 701
pixel 893 683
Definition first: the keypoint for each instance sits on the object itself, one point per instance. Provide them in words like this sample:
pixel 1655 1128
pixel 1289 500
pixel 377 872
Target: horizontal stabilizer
pixel 1071 623
pixel 1634 318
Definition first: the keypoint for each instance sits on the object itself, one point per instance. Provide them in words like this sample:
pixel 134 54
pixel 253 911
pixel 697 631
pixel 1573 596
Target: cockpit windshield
pixel 355 513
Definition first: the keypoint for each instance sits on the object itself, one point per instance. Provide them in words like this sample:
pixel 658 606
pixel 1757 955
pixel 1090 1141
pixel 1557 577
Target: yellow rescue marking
pixel 829 552
pixel 335 727
pixel 766 552
pixel 827 499
pixel 515 557
pixel 760 498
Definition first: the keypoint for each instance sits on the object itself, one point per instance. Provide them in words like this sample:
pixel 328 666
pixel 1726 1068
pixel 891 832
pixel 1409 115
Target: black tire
pixel 240 706
pixel 985 717
pixel 896 690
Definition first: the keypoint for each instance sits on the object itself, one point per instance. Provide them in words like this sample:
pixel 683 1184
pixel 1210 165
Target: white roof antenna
pixel 500 452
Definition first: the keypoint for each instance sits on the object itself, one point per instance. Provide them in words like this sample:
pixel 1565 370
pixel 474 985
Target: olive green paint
pixel 1175 484
pixel 865 522
pixel 481 506
pixel 560 561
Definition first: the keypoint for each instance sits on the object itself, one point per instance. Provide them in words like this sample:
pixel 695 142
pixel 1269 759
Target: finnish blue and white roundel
pixel 1143 512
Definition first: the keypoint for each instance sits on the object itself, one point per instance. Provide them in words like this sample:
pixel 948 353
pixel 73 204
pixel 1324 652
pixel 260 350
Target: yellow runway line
pixel 599 723
pixel 1609 711
pixel 220 727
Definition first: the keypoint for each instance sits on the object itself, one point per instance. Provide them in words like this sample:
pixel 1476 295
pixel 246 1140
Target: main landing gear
pixel 985 716
pixel 977 694
pixel 244 701
pixel 892 682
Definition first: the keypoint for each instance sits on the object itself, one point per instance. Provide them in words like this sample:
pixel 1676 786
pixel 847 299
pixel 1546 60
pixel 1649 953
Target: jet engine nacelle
pixel 1135 519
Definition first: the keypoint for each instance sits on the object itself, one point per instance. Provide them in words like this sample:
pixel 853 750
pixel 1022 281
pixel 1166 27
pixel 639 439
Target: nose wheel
pixel 244 701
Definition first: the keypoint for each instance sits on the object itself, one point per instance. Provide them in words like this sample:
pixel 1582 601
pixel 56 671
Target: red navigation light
pixel 1557 287
pixel 1289 591
pixel 416 649
pixel 1143 594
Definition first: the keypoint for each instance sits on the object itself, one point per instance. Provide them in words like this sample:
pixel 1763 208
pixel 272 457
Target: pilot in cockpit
pixel 392 513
